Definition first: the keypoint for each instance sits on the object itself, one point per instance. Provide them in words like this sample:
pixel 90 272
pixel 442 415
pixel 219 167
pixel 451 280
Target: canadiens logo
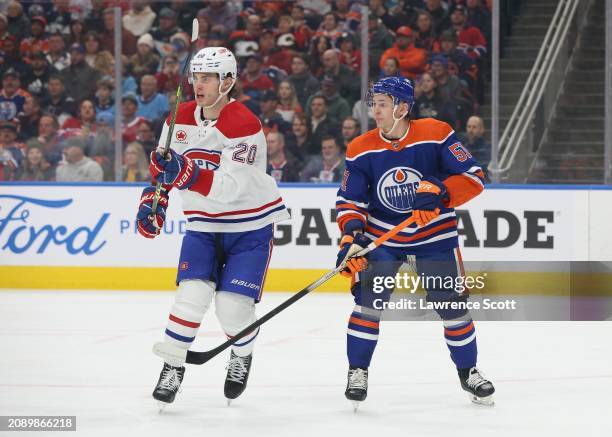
pixel 397 187
pixel 207 159
pixel 181 136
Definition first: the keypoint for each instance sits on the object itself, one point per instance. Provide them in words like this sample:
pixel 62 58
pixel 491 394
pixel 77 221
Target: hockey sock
pixel 362 336
pixel 460 336
pixel 193 298
pixel 235 312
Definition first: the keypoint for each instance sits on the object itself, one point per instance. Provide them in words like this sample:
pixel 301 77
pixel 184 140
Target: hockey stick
pixel 195 32
pixel 169 351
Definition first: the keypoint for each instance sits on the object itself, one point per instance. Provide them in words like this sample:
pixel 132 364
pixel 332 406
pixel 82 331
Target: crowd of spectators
pixel 299 71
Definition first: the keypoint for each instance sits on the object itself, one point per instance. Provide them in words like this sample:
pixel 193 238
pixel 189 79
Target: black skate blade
pixel 486 401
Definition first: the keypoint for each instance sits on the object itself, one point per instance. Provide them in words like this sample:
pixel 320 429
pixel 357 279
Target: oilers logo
pixel 397 187
pixel 207 159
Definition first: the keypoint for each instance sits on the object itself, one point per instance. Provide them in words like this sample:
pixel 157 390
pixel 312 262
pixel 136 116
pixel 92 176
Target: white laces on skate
pixel 358 379
pixel 170 379
pixel 237 369
pixel 476 379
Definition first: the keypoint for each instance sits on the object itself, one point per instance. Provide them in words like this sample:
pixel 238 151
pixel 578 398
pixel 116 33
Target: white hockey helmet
pixel 214 60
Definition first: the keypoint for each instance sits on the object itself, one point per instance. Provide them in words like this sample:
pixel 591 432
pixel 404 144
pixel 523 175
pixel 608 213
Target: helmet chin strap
pixel 395 121
pixel 221 94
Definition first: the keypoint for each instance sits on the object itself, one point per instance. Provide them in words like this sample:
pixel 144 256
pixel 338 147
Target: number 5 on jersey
pixel 460 152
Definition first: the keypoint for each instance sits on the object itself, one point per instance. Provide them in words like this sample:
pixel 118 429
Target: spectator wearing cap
pixel 439 14
pixel 180 43
pixel 104 99
pixel 425 36
pixel 107 36
pixel 131 121
pixel 139 18
pixel 36 168
pixel 78 167
pixel 152 105
pixel 430 104
pixel 288 104
pixel 327 166
pixel 471 40
pixel 459 64
pixel 38 41
pixel 337 107
pixel 80 78
pixel 303 80
pixel 449 87
pixel 254 81
pixel 48 136
pixel 58 102
pixel 330 28
pixel 29 118
pixel 282 165
pixel 9 134
pixel 57 57
pixel 36 79
pixel 349 54
pixel 412 60
pixel 347 79
pixel 320 124
pixel 145 60
pixel 18 22
pixel 271 119
pixel 379 41
pixel 475 142
pixel 167 26
pixel 11 156
pixel 135 164
pixel 221 12
pixel 12 96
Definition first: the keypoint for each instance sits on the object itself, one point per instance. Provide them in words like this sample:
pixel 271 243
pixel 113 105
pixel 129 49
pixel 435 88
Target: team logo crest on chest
pixel 397 187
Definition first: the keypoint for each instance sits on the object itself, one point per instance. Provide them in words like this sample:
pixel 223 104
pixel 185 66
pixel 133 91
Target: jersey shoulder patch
pixel 426 130
pixel 237 121
pixel 367 142
pixel 185 114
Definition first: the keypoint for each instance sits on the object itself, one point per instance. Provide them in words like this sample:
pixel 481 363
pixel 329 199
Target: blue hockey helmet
pixel 399 88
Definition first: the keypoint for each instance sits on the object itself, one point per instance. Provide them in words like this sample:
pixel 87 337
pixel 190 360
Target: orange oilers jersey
pixel 382 176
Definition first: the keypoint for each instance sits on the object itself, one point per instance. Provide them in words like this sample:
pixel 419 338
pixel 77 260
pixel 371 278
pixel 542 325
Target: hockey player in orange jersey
pixel 406 167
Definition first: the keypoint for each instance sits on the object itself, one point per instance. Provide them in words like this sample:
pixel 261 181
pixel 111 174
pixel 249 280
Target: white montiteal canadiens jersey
pixel 242 196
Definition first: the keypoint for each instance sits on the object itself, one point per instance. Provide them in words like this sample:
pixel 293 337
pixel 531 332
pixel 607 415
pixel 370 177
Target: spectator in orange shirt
pixel 412 60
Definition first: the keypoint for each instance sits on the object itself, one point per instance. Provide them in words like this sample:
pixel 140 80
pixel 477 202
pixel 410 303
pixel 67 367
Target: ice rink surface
pixel 89 354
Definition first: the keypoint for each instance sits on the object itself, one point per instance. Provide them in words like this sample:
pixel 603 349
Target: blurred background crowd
pixel 299 70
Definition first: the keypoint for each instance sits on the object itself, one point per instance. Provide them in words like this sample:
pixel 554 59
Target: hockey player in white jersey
pixel 217 161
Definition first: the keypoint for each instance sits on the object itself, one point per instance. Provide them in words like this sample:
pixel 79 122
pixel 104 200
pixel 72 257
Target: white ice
pixel 89 354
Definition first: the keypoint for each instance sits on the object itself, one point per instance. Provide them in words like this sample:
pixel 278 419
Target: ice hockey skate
pixel 357 386
pixel 480 390
pixel 237 376
pixel 168 385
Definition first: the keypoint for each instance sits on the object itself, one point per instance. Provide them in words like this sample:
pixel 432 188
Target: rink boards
pixel 83 236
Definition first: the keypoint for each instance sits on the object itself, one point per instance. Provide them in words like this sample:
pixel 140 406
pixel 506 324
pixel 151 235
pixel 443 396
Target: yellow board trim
pixel 147 278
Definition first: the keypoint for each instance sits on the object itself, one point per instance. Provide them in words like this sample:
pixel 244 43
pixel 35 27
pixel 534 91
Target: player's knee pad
pixel 234 311
pixel 193 298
